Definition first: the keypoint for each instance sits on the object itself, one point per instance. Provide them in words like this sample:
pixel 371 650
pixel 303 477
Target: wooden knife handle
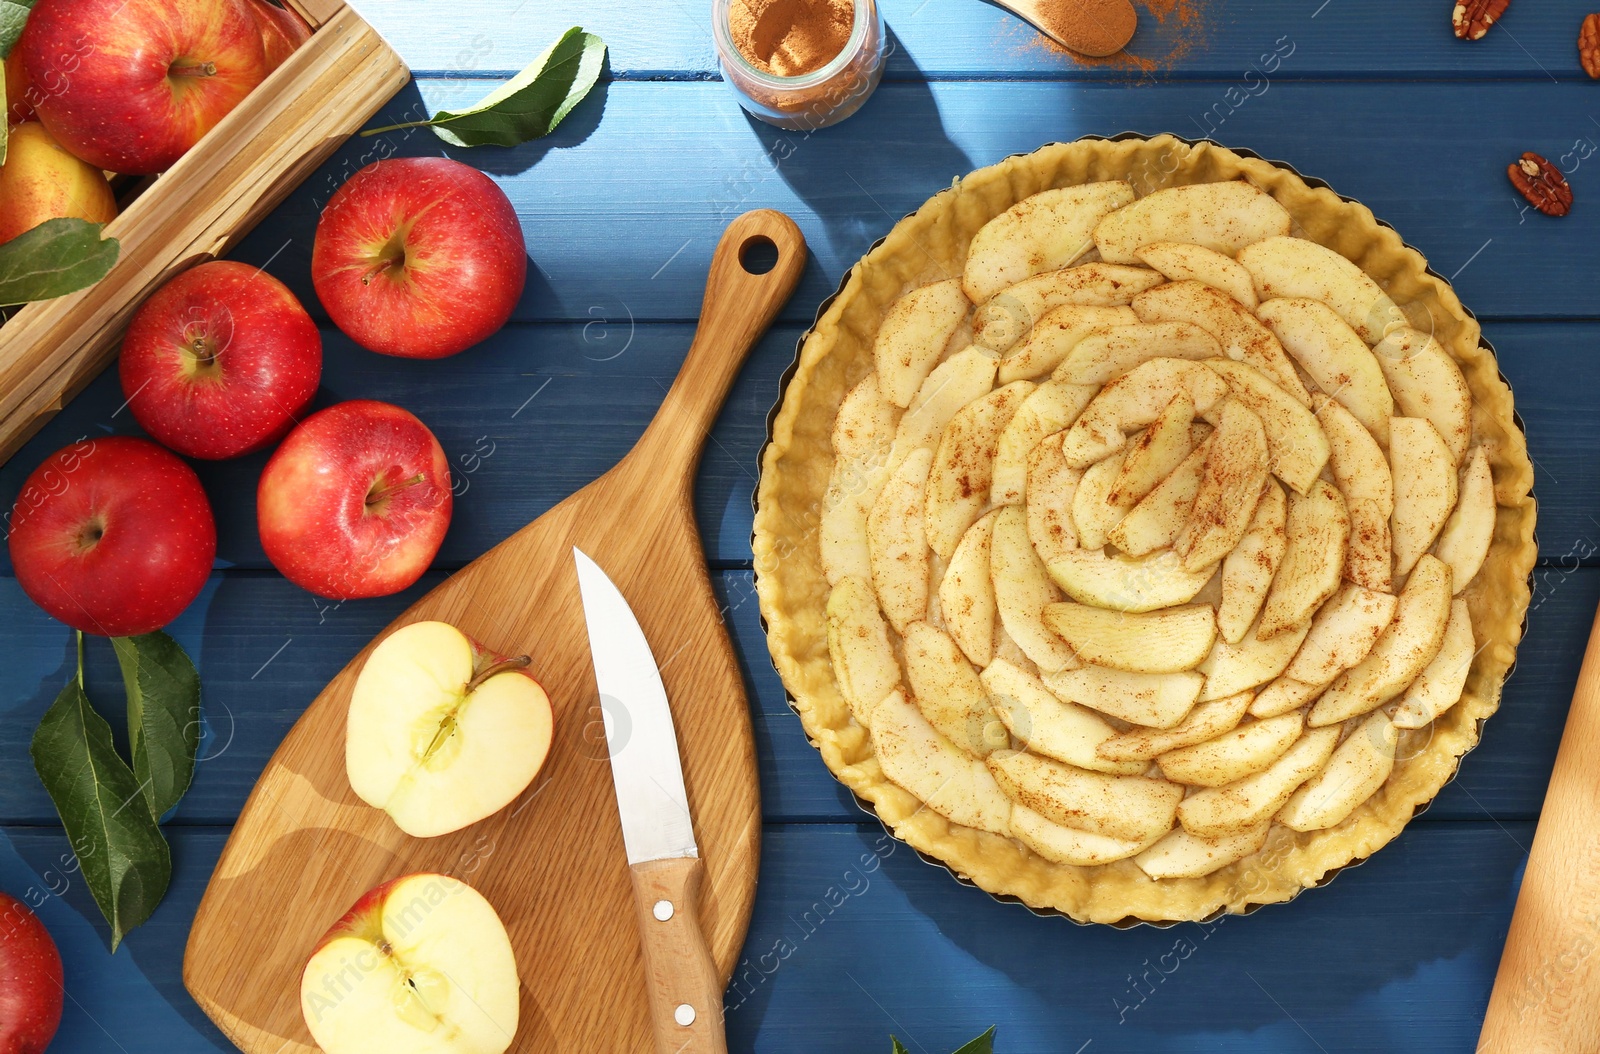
pixel 1546 997
pixel 685 993
pixel 740 303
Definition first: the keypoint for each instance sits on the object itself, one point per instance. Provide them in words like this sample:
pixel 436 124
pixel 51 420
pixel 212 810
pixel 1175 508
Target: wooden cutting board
pixel 552 863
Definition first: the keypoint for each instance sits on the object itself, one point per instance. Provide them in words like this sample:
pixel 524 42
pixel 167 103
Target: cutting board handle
pixel 1546 997
pixel 740 304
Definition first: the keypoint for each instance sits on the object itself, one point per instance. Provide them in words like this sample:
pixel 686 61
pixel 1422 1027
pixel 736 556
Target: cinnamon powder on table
pixel 791 38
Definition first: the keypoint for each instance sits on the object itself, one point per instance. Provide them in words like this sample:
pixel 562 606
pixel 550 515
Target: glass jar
pixel 813 100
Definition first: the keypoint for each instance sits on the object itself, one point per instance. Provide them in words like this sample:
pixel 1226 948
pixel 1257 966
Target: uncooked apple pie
pixel 1144 532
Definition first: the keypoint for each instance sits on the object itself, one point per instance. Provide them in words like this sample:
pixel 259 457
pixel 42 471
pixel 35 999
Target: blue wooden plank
pixel 944 39
pixel 265 649
pixel 854 938
pixel 621 213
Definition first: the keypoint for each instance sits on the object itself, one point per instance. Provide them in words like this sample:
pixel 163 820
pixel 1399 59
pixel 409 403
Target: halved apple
pixel 1357 768
pixel 898 542
pixel 1053 337
pixel 1318 531
pixel 1067 845
pixel 1107 354
pixel 417 959
pixel 913 336
pixel 1224 216
pixel 1049 725
pixel 1425 488
pixel 962 378
pixel 948 780
pixel 1336 358
pixel 858 646
pixel 1242 336
pixel 1129 807
pixel 442 733
pixel 1182 262
pixel 1234 668
pixel 1235 754
pixel 1343 632
pixel 1248 570
pixel 1183 855
pixel 1052 407
pixel 1022 589
pixel 963 468
pixel 1283 695
pixel 1156 700
pixel 1205 721
pixel 966 593
pixel 1127 583
pixel 1464 542
pixel 1404 651
pixel 1295 442
pixel 863 436
pixel 1299 267
pixel 1164 641
pixel 1007 316
pixel 1427 383
pixel 1042 232
pixel 1155 522
pixel 946 688
pixel 1217 812
pixel 1234 476
pixel 1136 399
pixel 1052 486
pixel 1438 687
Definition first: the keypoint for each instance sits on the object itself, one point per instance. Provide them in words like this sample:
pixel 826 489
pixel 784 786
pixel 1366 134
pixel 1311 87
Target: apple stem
pixel 383 265
pixel 203 69
pixel 380 492
pixel 521 662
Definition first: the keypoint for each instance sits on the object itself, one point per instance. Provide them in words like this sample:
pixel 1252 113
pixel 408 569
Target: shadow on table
pixel 862 175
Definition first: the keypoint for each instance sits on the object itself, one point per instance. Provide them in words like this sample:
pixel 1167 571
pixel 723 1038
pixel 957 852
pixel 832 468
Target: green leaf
pixel 123 856
pixel 57 257
pixel 163 715
pixel 529 105
pixel 899 1047
pixel 13 16
pixel 984 1044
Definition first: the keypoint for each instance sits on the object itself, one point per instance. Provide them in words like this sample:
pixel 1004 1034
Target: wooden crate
pixel 200 208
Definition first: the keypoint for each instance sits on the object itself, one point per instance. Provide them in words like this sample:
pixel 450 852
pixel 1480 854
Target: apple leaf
pixel 120 849
pixel 984 1044
pixel 529 105
pixel 899 1047
pixel 13 16
pixel 163 715
pixel 57 257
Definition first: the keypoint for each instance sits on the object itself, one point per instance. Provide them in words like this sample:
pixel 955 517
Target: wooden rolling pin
pixel 1546 997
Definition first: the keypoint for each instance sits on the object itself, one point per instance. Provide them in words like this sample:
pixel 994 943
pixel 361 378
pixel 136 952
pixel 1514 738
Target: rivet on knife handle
pixel 685 992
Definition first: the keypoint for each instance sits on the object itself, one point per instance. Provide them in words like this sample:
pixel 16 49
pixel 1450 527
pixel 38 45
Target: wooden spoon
pixel 1090 27
pixel 1546 997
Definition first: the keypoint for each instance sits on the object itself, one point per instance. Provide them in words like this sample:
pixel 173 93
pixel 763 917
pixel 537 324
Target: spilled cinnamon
pixel 791 38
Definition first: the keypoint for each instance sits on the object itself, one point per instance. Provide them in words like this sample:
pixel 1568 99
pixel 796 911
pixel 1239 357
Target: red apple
pixel 113 536
pixel 282 31
pixel 220 361
pixel 39 181
pixel 355 502
pixel 131 85
pixel 420 965
pixel 419 257
pixel 30 980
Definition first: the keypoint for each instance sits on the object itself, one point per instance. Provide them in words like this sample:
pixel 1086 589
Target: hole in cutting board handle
pixel 758 254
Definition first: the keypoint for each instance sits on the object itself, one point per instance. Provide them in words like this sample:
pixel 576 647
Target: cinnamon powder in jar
pixel 791 38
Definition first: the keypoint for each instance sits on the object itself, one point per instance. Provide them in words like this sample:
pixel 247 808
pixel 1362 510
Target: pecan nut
pixel 1541 183
pixel 1472 18
pixel 1589 46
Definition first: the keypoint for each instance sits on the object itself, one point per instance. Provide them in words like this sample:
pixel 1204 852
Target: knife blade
pixel 657 827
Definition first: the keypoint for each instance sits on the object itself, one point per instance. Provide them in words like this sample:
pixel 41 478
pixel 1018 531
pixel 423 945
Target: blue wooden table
pixel 853 936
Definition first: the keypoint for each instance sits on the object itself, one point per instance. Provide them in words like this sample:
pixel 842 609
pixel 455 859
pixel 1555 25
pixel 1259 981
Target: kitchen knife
pixel 657 830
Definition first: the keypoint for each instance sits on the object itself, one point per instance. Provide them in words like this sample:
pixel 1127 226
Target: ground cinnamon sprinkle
pixel 791 38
